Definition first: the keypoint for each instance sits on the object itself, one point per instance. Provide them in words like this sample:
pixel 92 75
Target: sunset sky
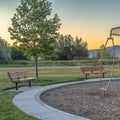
pixel 89 19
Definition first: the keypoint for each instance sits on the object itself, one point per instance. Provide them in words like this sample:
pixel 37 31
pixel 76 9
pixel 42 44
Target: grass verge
pixel 8 111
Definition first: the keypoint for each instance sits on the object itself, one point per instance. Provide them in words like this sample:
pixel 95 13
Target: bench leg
pixel 86 76
pixel 29 83
pixel 103 75
pixel 16 85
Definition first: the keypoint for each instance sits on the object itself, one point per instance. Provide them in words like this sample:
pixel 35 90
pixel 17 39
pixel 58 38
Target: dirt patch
pixel 86 100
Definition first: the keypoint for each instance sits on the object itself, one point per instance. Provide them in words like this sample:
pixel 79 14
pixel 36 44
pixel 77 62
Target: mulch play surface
pixel 86 100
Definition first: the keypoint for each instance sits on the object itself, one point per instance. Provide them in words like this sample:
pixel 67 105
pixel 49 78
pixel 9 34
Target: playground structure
pixel 113 32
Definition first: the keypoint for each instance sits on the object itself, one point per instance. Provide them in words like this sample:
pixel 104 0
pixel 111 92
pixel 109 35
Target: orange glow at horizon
pixel 93 38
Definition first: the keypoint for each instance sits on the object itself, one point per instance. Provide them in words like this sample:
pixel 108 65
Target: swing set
pixel 113 32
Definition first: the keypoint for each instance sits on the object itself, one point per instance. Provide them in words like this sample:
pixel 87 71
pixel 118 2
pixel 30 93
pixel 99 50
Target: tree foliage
pixel 69 48
pixel 102 52
pixel 17 54
pixel 5 52
pixel 34 29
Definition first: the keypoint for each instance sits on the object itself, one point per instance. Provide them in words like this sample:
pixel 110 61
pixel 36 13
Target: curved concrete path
pixel 29 102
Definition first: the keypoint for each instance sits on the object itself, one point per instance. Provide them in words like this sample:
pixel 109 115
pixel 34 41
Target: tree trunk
pixel 36 65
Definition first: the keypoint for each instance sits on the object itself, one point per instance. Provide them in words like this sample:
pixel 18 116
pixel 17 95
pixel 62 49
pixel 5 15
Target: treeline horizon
pixel 66 48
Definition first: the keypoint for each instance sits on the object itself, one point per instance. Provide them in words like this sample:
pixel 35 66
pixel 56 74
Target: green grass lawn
pixel 47 75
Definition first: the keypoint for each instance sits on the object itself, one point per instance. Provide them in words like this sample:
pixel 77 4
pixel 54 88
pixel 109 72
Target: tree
pixel 5 52
pixel 64 44
pixel 70 48
pixel 33 28
pixel 16 54
pixel 80 48
pixel 103 52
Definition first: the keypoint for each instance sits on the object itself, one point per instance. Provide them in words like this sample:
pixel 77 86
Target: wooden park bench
pixel 93 70
pixel 20 77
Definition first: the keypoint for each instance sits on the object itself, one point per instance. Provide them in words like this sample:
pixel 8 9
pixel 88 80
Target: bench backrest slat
pixel 84 69
pixel 91 69
pixel 98 68
pixel 13 75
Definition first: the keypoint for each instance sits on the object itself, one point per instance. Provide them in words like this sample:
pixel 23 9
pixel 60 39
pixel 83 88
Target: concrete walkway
pixel 29 102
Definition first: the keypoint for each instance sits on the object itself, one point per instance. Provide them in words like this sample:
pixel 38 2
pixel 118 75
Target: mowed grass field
pixel 47 75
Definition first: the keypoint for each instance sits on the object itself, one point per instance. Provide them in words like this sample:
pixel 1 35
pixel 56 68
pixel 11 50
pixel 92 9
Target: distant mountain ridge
pixel 93 53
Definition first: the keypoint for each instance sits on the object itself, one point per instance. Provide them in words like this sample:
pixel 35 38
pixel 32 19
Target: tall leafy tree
pixel 103 52
pixel 5 51
pixel 80 48
pixel 64 44
pixel 16 54
pixel 70 48
pixel 34 29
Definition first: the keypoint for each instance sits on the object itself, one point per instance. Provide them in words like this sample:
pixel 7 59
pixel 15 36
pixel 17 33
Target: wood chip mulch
pixel 86 100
